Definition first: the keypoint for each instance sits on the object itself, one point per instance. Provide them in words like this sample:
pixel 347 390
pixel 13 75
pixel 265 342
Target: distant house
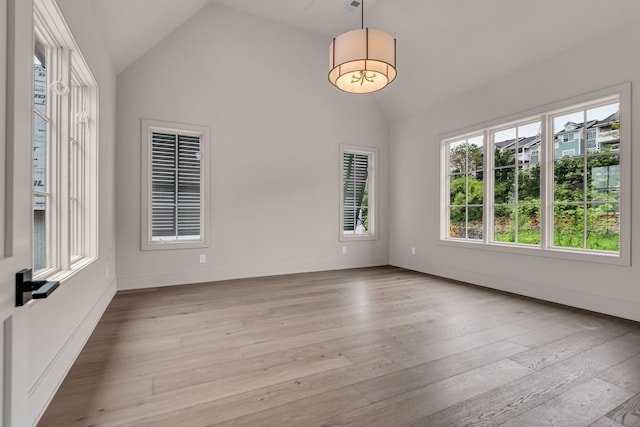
pixel 528 150
pixel 601 136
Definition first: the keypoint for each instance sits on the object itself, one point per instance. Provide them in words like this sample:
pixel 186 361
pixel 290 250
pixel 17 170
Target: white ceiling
pixel 132 27
pixel 444 46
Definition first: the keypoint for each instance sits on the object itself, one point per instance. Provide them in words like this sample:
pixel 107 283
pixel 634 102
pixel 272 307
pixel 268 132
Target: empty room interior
pixel 319 213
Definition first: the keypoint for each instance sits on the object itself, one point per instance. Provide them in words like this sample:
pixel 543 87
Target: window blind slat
pixel 356 173
pixel 176 177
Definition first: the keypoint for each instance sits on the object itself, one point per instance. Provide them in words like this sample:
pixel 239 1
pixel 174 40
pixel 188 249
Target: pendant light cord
pixel 362 21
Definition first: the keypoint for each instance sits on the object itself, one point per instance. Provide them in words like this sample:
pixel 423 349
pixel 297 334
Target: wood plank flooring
pixel 364 347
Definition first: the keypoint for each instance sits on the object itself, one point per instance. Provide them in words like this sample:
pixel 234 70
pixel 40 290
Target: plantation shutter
pixel 175 187
pixel 356 172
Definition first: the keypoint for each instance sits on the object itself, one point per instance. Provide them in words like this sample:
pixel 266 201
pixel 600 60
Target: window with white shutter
pixel 357 208
pixel 174 169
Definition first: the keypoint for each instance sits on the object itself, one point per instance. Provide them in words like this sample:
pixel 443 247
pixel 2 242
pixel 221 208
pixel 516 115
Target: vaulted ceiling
pixel 445 47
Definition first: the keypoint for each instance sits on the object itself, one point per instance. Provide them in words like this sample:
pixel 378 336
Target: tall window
pixel 466 187
pixel 558 181
pixel 586 196
pixel 78 138
pixel 41 197
pixel 357 201
pixel 175 166
pixel 516 184
pixel 64 149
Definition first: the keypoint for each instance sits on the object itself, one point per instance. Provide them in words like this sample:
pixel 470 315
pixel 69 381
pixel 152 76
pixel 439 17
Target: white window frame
pixel 372 232
pixel 490 169
pixel 446 230
pixel 620 93
pixel 64 58
pixel 569 153
pixel 148 127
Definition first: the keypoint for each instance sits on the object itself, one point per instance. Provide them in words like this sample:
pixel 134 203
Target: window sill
pixel 63 275
pixel 173 245
pixel 358 237
pixel 555 253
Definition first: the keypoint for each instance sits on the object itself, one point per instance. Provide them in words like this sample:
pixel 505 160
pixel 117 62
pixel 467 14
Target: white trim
pixel 372 233
pixel 3 127
pixel 147 127
pixel 189 276
pixel 45 387
pixel 63 59
pixel 445 231
pixel 620 93
pixel 607 304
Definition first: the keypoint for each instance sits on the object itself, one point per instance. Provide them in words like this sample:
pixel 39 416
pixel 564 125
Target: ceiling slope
pixel 444 47
pixel 131 27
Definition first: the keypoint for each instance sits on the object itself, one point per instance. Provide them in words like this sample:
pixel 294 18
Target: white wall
pixel 276 125
pixel 415 196
pixel 59 326
pixel 3 117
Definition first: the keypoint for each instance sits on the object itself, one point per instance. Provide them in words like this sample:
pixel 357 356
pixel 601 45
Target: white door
pixel 16 205
pixel 6 308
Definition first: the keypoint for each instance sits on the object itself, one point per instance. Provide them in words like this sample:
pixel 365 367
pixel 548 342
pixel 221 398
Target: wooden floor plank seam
pixel 363 347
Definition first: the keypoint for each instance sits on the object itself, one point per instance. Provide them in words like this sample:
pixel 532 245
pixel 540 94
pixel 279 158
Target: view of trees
pixel 586 198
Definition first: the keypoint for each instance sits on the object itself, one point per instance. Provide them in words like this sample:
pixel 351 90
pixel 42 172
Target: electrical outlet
pixel 344 250
pixel 203 258
pixel 413 251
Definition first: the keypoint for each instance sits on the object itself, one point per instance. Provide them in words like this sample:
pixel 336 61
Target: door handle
pixel 26 289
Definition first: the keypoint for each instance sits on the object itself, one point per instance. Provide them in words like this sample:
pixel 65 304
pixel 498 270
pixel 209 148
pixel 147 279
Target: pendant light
pixel 362 61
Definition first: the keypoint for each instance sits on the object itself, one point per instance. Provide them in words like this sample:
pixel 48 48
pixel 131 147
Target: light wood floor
pixel 367 347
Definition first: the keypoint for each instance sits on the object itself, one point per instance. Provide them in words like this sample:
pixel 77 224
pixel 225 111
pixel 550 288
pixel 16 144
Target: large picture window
pixel 174 168
pixel 65 149
pixel 557 181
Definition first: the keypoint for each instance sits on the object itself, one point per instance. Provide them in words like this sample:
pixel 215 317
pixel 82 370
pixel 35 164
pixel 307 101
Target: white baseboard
pixel 244 272
pixel 47 385
pixel 592 302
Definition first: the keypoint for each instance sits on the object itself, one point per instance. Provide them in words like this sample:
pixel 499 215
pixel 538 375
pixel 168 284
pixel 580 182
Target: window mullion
pixel 584 180
pixel 53 155
pixel 176 175
pixel 488 172
pixel 516 183
pixel 371 195
pixel 62 252
pixel 83 197
pixel 546 216
pixel 466 200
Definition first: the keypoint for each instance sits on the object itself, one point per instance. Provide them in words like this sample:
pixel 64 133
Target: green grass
pixel 607 242
pixel 526 237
